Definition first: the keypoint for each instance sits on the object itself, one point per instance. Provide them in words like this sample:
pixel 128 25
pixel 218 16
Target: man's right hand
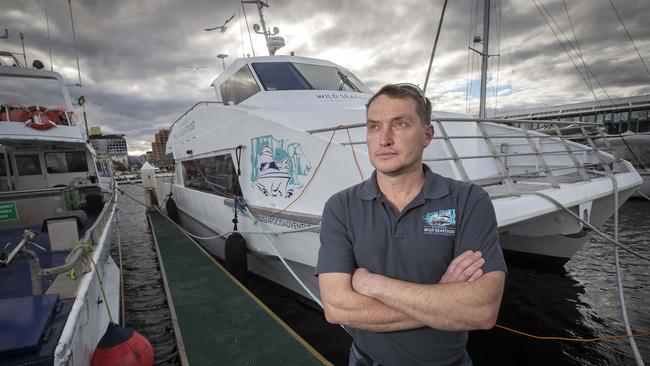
pixel 466 267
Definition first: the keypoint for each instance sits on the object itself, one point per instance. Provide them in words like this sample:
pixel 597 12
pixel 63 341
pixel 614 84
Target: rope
pixel 583 340
pixel 88 249
pixel 619 280
pixel 642 195
pixel 277 253
pixel 354 155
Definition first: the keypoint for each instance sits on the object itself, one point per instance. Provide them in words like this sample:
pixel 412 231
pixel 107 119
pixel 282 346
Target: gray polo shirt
pixel 360 229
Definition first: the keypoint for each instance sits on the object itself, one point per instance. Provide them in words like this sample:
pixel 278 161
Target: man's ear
pixel 428 134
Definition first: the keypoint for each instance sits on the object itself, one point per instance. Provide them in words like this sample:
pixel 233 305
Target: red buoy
pixel 122 347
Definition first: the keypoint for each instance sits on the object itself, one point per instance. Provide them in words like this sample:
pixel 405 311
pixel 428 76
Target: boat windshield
pixel 299 76
pixel 20 97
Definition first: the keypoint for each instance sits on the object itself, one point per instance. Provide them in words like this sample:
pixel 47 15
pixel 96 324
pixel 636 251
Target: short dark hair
pixel 402 91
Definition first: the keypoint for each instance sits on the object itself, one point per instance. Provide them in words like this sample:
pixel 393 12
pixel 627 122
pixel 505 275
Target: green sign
pixel 8 211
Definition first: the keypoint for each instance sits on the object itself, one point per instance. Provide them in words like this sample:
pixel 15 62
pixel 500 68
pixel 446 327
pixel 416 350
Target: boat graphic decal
pixel 278 166
pixel 441 222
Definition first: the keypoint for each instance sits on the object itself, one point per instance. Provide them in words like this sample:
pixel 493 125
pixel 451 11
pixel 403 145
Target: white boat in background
pixel 621 126
pixel 50 203
pixel 286 132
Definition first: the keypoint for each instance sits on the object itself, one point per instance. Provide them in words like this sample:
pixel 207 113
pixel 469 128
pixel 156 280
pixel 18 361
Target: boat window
pixel 600 118
pixel 644 121
pixel 18 94
pixel 28 164
pixel 66 162
pixel 3 166
pixel 280 76
pixel 214 174
pixel 328 78
pixel 239 87
pixel 299 76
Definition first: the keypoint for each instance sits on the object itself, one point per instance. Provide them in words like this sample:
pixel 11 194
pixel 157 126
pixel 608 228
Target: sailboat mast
pixel 484 57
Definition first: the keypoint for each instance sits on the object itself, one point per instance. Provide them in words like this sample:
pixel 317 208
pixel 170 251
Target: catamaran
pixel 284 133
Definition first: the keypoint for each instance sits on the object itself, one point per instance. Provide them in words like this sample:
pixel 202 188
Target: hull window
pixel 214 174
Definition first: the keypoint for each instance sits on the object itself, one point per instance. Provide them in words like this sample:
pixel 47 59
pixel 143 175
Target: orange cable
pixel 354 155
pixel 583 340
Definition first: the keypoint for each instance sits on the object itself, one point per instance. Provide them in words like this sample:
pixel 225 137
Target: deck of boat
pixel 216 319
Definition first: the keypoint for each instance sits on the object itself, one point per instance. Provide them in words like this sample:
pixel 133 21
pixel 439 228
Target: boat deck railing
pixel 199 103
pixel 521 155
pixel 91 237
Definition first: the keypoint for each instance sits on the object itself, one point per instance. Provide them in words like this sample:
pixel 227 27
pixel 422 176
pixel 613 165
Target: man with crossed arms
pixel 409 260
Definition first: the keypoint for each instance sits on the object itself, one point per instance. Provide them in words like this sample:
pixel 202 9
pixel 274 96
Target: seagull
pixel 222 27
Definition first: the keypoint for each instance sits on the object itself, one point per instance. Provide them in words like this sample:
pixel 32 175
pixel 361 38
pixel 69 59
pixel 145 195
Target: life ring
pixel 41 118
pixel 15 114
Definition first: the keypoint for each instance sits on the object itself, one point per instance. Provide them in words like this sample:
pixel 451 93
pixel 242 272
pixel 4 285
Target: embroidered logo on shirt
pixel 441 222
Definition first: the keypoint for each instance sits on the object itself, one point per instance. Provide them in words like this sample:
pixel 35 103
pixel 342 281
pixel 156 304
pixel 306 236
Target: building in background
pixel 159 158
pixel 111 150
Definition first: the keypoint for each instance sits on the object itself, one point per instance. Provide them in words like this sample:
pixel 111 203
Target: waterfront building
pixel 110 149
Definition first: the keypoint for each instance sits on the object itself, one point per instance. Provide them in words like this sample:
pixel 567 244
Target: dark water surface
pixel 144 296
pixel 578 301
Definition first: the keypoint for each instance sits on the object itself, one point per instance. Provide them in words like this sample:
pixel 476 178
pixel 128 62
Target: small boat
pixel 59 284
pixel 287 132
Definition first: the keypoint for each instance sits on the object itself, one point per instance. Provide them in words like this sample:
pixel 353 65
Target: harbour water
pixel 579 301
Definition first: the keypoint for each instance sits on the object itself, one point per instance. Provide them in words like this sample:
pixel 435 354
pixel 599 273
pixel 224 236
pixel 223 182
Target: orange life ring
pixel 15 115
pixel 41 118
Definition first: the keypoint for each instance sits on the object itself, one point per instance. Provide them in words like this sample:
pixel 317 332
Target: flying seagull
pixel 222 27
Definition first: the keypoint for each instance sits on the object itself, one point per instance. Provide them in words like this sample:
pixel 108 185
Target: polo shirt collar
pixel 434 186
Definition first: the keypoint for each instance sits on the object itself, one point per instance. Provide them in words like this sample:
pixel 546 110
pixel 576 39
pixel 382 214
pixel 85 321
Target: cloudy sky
pixel 144 62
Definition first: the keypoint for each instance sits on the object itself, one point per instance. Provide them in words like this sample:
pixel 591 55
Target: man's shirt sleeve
pixel 478 230
pixel 335 253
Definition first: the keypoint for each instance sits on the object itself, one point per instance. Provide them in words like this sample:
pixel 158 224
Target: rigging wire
pixel 241 31
pixel 575 38
pixel 629 37
pixel 433 51
pixel 496 89
pixel 573 48
pixel 49 39
pixel 566 51
pixel 248 28
pixel 74 37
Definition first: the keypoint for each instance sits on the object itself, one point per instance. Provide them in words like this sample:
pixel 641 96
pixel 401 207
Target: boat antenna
pixel 273 41
pixel 22 41
pixel 49 40
pixel 74 37
pixel 250 39
pixel 435 45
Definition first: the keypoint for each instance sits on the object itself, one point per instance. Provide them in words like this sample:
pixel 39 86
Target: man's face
pixel 396 136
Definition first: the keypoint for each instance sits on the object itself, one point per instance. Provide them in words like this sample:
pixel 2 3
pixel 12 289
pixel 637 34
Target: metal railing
pixel 90 237
pixel 529 142
pixel 206 102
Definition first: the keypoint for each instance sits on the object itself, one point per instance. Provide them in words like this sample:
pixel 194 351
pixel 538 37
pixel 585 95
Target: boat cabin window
pixel 299 76
pixel 21 97
pixel 66 162
pixel 28 164
pixel 214 174
pixel 3 166
pixel 239 87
